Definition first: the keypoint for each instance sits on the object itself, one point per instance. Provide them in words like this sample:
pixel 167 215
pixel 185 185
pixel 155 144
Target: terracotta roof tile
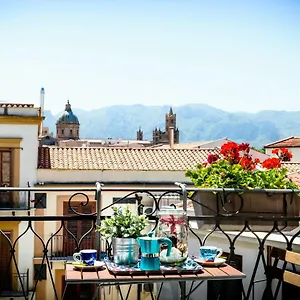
pixel 287 142
pixel 291 166
pixel 44 158
pixel 139 159
pixel 295 178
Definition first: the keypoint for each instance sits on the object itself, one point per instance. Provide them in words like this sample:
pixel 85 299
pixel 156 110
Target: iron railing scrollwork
pixel 63 240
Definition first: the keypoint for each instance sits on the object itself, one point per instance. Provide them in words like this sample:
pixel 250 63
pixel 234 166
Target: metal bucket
pixel 125 250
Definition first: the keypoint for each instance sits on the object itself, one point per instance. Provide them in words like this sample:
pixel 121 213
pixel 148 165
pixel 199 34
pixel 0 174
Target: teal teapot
pixel 150 249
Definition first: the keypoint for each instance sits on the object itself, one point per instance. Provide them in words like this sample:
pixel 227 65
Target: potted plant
pixel 123 227
pixel 236 169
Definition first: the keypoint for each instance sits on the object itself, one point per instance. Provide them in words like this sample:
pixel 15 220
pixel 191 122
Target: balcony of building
pixel 15 200
pixel 35 248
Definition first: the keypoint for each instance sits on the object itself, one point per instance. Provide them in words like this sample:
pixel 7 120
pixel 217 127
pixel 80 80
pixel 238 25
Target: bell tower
pixel 139 135
pixel 170 120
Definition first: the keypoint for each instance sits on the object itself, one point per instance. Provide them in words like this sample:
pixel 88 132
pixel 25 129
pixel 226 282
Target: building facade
pixel 67 126
pixel 171 133
pixel 19 130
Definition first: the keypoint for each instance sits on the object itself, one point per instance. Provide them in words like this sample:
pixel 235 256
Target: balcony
pixel 10 199
pixel 62 247
pixel 16 287
pixel 35 248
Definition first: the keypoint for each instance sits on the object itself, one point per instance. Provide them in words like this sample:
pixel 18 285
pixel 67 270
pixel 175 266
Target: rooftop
pixel 284 143
pixel 119 158
pixel 16 105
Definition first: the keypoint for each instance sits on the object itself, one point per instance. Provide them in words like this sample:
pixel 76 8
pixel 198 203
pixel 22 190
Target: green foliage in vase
pixel 237 169
pixel 122 224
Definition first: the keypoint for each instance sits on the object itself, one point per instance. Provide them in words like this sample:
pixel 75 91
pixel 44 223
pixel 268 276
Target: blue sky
pixel 233 55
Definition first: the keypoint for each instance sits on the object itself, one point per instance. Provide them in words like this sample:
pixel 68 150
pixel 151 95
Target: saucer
pixel 218 262
pixel 97 265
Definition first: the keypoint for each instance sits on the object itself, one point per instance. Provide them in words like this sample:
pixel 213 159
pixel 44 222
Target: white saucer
pixel 218 262
pixel 97 265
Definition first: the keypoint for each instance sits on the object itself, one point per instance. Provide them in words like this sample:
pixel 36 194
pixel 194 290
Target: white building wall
pixel 63 176
pixel 294 150
pixel 21 111
pixel 26 250
pixel 28 156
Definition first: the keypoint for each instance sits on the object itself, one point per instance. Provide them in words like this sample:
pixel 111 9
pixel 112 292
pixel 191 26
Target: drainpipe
pixel 42 103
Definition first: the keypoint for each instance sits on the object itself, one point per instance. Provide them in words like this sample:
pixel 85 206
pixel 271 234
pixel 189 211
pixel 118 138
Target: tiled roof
pixel 193 145
pixel 291 166
pixel 16 105
pixel 44 158
pixel 135 159
pixel 295 178
pixel 287 142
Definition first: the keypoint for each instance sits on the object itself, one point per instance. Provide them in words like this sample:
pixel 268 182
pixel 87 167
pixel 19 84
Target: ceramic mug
pixel 210 253
pixel 86 256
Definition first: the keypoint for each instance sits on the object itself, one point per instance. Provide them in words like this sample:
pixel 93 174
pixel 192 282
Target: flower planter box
pixel 246 204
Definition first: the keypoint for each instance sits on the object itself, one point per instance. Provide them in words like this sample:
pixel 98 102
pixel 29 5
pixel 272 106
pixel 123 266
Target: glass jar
pixel 173 224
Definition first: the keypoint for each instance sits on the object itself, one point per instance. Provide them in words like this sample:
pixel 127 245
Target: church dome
pixel 67 116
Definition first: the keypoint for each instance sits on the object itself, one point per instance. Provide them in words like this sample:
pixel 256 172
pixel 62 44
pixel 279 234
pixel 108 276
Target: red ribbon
pixel 171 220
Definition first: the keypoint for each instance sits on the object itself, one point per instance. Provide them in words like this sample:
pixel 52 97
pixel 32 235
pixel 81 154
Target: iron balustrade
pixel 63 242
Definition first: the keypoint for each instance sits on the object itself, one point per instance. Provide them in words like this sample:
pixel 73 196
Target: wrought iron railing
pixel 12 289
pixel 63 241
pixel 62 247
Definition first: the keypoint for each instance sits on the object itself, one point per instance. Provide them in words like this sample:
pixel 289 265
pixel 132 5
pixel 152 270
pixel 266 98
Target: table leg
pixel 64 293
pixel 182 285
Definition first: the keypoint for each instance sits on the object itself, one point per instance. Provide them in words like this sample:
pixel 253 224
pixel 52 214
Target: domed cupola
pixel 67 116
pixel 67 125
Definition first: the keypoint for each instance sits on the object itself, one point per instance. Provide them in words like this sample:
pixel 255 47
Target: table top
pixel 102 276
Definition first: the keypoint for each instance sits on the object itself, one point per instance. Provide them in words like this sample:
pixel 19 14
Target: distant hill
pixel 196 122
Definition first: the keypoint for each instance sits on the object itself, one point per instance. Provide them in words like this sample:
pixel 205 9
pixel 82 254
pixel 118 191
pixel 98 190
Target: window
pixel 129 200
pixel 40 200
pixel 5 167
pixel 62 131
pixel 71 132
pixel 5 177
pixel 40 272
pixel 78 227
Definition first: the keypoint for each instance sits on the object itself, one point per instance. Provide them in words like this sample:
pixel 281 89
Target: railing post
pixel 27 283
pixel 98 221
pixel 184 195
pixel 51 246
pixel 28 196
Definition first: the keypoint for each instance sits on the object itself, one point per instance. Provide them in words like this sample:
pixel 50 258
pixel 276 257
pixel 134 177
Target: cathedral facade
pixel 164 137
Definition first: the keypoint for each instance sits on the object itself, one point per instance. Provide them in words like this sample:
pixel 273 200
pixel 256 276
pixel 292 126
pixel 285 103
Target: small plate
pixel 218 262
pixel 97 265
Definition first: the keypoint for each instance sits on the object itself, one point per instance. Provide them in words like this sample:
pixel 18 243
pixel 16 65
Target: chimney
pixel 171 137
pixel 42 99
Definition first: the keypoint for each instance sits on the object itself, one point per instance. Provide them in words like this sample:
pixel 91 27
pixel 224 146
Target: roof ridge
pixel 135 148
pixel 282 140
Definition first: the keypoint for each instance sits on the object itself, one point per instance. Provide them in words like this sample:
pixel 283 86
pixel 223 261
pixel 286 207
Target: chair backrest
pixel 274 271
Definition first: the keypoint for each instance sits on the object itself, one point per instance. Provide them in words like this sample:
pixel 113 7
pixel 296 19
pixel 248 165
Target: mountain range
pixel 196 122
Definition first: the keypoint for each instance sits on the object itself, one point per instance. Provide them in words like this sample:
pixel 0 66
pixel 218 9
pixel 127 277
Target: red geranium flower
pixel 247 163
pixel 283 154
pixel 212 158
pixel 271 163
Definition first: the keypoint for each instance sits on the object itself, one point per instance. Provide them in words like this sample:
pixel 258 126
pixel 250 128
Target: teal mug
pixel 210 253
